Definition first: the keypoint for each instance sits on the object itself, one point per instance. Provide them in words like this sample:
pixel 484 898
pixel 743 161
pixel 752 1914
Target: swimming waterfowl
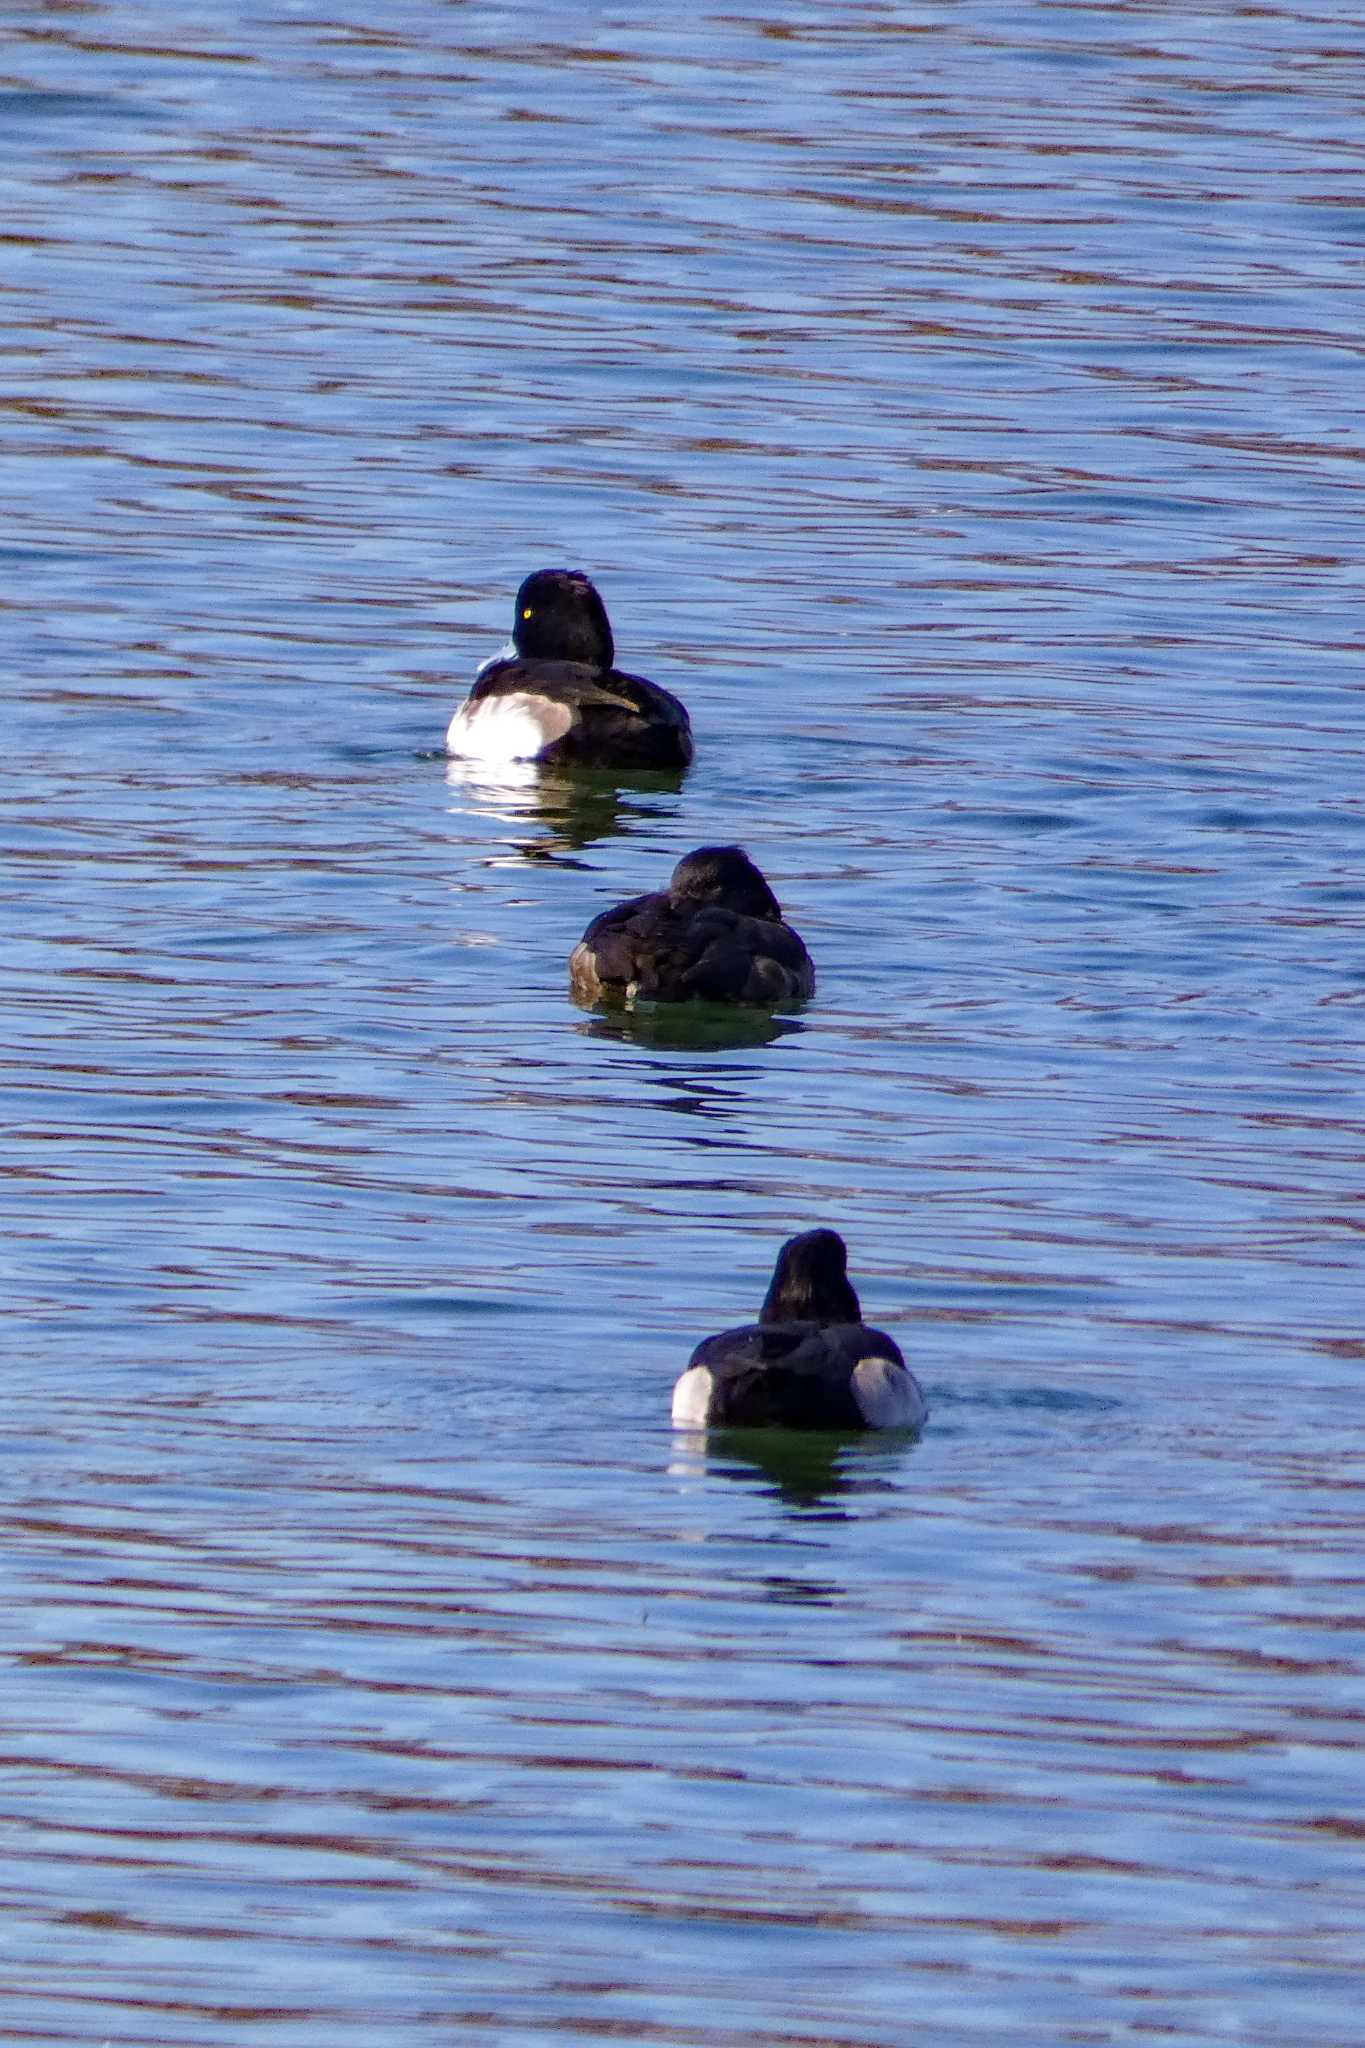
pixel 809 1362
pixel 555 693
pixel 715 934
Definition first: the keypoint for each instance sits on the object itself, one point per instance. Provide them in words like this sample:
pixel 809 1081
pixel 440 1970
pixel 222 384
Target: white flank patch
pixel 887 1395
pixel 517 727
pixel 692 1398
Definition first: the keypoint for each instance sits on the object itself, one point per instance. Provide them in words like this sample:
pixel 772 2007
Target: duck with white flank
pixel 715 935
pixel 809 1362
pixel 555 694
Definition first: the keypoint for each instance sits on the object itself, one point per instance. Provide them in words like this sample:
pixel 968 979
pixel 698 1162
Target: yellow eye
pixel 529 612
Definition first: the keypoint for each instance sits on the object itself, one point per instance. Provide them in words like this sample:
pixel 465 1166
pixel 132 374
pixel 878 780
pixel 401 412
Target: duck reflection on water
pixel 811 1472
pixel 690 1027
pixel 560 813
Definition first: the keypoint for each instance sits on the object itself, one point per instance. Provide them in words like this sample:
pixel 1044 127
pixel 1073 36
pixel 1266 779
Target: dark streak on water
pixel 961 409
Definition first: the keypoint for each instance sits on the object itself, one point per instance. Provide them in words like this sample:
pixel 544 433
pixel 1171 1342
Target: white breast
pixel 515 727
pixel 888 1397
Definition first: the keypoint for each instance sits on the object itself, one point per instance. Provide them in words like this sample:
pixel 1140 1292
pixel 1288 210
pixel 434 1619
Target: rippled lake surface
pixel 961 409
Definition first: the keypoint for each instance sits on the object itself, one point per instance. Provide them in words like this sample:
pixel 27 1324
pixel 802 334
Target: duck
pixel 809 1362
pixel 716 934
pixel 554 693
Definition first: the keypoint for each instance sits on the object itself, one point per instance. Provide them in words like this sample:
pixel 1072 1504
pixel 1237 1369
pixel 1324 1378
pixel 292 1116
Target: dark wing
pixel 670 955
pixel 794 1346
pixel 796 1375
pixel 562 682
pixel 645 945
pixel 618 939
pixel 725 957
pixel 619 721
pixel 663 730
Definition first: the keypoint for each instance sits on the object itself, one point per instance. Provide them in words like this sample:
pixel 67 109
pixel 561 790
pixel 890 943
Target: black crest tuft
pixel 810 1282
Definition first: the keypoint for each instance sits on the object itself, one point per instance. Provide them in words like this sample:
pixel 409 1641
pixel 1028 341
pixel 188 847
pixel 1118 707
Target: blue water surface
pixel 960 409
